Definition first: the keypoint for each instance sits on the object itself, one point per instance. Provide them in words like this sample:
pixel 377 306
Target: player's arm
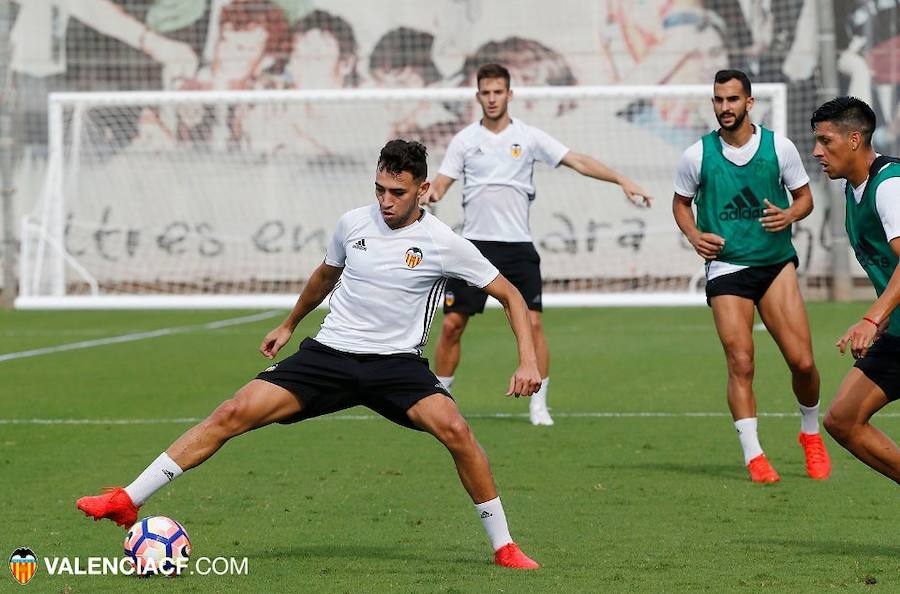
pixel 320 284
pixel 436 190
pixel 875 321
pixel 707 245
pixel 591 167
pixel 526 380
pixel 777 219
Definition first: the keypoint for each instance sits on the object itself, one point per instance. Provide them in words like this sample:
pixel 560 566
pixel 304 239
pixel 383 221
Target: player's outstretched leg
pixel 847 420
pixel 449 347
pixel 256 404
pixel 783 313
pixel 438 415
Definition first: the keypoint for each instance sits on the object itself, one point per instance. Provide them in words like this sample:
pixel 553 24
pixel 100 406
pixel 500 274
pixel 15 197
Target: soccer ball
pixel 157 545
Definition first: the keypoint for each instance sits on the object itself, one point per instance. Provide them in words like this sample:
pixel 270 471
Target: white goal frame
pixel 44 255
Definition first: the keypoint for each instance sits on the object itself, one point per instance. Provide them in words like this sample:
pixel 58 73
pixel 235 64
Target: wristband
pixel 871 321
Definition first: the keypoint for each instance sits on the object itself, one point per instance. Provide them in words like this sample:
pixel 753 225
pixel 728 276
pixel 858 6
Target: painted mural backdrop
pixel 308 44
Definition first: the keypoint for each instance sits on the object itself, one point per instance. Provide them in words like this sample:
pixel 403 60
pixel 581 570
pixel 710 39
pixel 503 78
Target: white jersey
pixel 497 172
pixel 887 203
pixel 393 281
pixel 687 177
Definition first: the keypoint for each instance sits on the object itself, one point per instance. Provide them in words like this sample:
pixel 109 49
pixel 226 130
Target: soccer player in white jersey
pixel 392 259
pixel 736 178
pixel 495 157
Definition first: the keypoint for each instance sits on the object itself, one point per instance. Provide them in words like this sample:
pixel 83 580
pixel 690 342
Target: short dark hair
pixel 406 48
pixel 850 114
pixel 492 70
pixel 401 155
pixel 723 76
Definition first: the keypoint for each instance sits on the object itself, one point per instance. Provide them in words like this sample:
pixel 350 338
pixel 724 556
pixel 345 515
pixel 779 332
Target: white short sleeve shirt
pixel 887 203
pixel 687 176
pixel 497 171
pixel 393 281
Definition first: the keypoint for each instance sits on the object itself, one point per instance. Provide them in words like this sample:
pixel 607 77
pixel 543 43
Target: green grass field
pixel 654 502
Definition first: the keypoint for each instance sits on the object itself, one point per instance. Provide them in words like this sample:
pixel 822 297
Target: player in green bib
pixel 736 178
pixel 843 129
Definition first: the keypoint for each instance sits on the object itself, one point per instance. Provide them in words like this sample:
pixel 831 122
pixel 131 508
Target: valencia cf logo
pixel 413 257
pixel 23 565
pixel 449 298
pixel 516 151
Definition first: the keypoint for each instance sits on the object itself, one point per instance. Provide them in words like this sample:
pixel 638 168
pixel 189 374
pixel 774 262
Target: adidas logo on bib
pixel 360 245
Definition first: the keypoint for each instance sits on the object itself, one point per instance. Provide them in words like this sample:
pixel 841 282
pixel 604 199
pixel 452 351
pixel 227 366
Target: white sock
pixel 539 398
pixel 155 477
pixel 447 380
pixel 494 521
pixel 809 418
pixel 746 429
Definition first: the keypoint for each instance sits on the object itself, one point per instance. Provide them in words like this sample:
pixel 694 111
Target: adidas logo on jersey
pixel 743 206
pixel 360 245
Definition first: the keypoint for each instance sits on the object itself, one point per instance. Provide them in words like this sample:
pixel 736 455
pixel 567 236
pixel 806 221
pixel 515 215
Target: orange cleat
pixel 818 465
pixel 761 471
pixel 510 555
pixel 114 504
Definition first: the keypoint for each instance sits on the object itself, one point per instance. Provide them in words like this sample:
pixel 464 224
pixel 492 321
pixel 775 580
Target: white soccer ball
pixel 158 545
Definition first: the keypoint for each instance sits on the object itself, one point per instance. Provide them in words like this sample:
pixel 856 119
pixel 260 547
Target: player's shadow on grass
pixel 343 551
pixel 838 548
pixel 729 471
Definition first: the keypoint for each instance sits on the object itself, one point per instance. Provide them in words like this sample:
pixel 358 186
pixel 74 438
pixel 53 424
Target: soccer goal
pixel 228 199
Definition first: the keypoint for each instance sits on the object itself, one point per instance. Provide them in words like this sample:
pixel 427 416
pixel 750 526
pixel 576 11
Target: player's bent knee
pixel 452 329
pixel 455 434
pixel 837 427
pixel 229 417
pixel 804 366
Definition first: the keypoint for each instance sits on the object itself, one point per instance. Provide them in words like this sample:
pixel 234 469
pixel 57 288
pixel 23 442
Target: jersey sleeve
pixel 546 148
pixel 454 159
pixel 793 174
pixel 463 261
pixel 887 202
pixel 335 253
pixel 687 175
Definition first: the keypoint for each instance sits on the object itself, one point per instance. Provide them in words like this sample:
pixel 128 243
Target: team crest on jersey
pixel 449 298
pixel 23 564
pixel 413 257
pixel 516 150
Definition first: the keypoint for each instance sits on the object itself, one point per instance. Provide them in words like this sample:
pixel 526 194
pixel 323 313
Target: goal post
pixel 228 199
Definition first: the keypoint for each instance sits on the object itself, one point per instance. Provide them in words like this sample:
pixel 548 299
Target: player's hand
pixel 274 340
pixel 525 381
pixel 428 197
pixel 860 337
pixel 635 193
pixel 708 245
pixel 776 219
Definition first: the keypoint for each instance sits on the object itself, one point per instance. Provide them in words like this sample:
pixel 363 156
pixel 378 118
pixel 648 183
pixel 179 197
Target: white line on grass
pixel 86 344
pixel 573 415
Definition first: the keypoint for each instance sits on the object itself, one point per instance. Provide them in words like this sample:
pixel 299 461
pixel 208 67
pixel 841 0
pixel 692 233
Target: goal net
pixel 228 199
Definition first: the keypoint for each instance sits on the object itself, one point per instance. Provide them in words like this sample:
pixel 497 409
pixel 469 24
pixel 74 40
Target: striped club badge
pixel 413 257
pixel 23 565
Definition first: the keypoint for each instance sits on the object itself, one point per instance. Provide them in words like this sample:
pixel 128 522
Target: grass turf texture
pixel 359 505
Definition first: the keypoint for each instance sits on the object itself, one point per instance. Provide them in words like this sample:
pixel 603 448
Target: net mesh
pixel 238 193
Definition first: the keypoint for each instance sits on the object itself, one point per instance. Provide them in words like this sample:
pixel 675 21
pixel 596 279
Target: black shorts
pixel 327 380
pixel 519 262
pixel 882 365
pixel 751 283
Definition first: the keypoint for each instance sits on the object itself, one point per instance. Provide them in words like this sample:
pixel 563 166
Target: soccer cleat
pixel 510 555
pixel 761 471
pixel 114 504
pixel 539 415
pixel 818 465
